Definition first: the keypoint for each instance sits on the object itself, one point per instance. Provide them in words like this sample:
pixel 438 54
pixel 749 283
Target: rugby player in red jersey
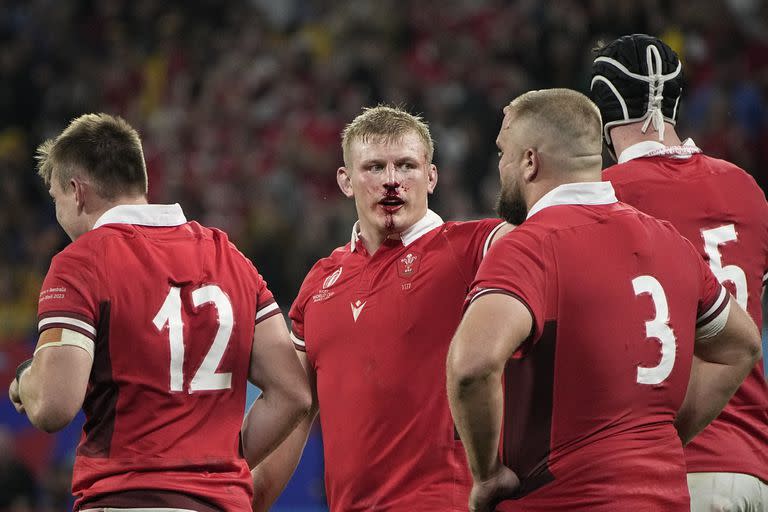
pixel 372 323
pixel 637 84
pixel 153 325
pixel 577 343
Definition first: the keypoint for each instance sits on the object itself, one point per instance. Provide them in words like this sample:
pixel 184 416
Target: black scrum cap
pixel 636 78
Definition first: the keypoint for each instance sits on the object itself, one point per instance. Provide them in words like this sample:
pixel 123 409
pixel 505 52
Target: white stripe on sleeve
pixel 487 291
pixel 714 323
pixel 66 320
pixel 300 342
pixel 266 310
pixel 490 238
pixel 714 326
pixel 719 302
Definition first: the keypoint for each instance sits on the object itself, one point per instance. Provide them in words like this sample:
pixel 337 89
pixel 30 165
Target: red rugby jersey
pixel 170 306
pixel 723 212
pixel 591 396
pixel 376 329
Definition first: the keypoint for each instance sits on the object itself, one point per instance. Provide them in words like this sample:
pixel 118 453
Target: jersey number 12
pixel 206 378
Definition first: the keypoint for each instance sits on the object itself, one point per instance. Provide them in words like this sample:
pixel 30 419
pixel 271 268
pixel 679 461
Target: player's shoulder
pixel 615 170
pixel 199 231
pixel 326 269
pixel 469 226
pixel 658 229
pixel 639 169
pixel 573 219
pixel 532 232
pixel 737 176
pixel 337 257
pixel 696 166
pixel 89 246
pixel 221 242
pixel 96 237
pixel 465 232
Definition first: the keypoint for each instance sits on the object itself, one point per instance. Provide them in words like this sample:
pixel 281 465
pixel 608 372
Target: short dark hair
pixel 105 148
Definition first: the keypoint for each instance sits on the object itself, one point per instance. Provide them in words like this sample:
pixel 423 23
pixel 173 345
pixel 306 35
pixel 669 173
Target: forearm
pixel 477 404
pixel 710 388
pixel 40 409
pixel 269 421
pixel 721 361
pixel 272 475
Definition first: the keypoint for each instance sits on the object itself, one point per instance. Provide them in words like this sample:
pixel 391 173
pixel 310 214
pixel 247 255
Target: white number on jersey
pixel 713 239
pixel 205 378
pixel 657 328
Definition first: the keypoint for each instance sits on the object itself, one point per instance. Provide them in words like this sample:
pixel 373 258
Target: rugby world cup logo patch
pixel 331 279
pixel 408 265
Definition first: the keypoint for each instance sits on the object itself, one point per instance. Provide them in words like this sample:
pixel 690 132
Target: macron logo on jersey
pixel 357 308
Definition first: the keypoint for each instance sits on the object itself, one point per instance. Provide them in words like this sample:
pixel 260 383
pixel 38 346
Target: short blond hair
pixel 386 123
pixel 105 148
pixel 571 114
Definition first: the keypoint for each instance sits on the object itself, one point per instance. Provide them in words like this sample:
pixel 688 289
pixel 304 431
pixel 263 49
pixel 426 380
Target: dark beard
pixel 511 206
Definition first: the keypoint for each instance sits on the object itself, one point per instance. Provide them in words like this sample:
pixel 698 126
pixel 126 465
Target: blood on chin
pixel 389 223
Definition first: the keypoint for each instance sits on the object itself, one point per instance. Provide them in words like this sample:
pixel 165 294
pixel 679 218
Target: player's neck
pixel 102 206
pixel 554 179
pixel 373 239
pixel 630 134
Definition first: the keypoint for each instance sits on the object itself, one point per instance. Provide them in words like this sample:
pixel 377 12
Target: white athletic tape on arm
pixel 71 338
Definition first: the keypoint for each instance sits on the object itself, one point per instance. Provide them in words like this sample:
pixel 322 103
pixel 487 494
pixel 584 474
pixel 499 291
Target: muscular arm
pixel 493 327
pixel 51 391
pixel 720 364
pixel 271 476
pixel 285 398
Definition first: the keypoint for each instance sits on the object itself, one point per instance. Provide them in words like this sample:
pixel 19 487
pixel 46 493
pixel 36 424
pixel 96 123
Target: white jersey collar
pixel 428 222
pixel 648 148
pixel 587 193
pixel 159 215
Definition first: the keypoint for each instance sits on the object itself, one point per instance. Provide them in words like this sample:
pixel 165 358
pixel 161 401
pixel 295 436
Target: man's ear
pixel 431 178
pixel 83 192
pixel 344 179
pixel 531 164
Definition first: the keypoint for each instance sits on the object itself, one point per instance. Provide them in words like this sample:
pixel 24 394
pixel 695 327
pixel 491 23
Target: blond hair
pixel 568 114
pixel 388 124
pixel 105 148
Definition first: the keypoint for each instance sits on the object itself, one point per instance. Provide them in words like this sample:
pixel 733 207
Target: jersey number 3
pixel 206 378
pixel 657 328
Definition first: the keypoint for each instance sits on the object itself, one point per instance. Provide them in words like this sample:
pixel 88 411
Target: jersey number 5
pixel 657 328
pixel 713 239
pixel 205 378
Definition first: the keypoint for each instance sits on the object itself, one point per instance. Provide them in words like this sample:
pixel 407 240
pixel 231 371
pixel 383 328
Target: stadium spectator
pixel 235 98
pixel 577 342
pixel 372 324
pixel 723 212
pixel 152 325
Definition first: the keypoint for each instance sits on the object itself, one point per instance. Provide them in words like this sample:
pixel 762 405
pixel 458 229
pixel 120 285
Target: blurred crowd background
pixel 240 105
